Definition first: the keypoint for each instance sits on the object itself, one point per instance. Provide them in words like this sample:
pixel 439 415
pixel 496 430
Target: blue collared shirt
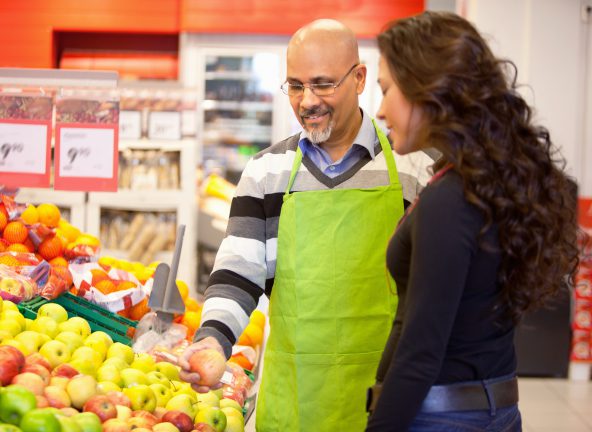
pixel 363 144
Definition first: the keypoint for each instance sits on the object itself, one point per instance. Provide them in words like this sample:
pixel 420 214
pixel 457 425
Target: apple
pixel 219 392
pixel 165 427
pixel 88 354
pixel 69 411
pixel 180 419
pixel 57 397
pixel 208 398
pixel 118 398
pixel 203 427
pixel 83 366
pixel 80 389
pixel 116 425
pixel 104 387
pixel 226 402
pixel 121 351
pixel 209 364
pixel 183 403
pixel 40 420
pixel 119 363
pixel 123 412
pixel 167 369
pixel 159 412
pixel 54 311
pixel 32 382
pixel 71 339
pixel 55 352
pixel 28 323
pixel 101 406
pixel 97 345
pixel 151 418
pixel 59 381
pixel 12 362
pixel 88 422
pixel 233 423
pixel 132 377
pixel 17 344
pixel 32 340
pixel 100 335
pixel 45 325
pixel 5 335
pixel 144 362
pixel 12 327
pixel 67 424
pixel 141 396
pixel 185 388
pixel 65 370
pixel 42 401
pixel 9 305
pixel 37 359
pixel 14 316
pixel 215 417
pixel 163 394
pixel 15 401
pixel 155 377
pixel 109 373
pixel 37 369
pixel 77 325
pixel 138 424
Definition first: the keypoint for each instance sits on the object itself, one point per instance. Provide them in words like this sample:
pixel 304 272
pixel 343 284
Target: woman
pixel 492 236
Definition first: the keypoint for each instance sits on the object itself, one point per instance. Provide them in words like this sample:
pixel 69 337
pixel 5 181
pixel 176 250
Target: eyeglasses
pixel 321 89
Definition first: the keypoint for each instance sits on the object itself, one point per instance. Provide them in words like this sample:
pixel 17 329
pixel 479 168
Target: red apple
pixel 12 362
pixel 209 364
pixel 69 411
pixel 37 369
pixel 183 422
pixel 37 359
pixel 57 397
pixel 42 401
pixel 32 382
pixel 115 425
pixel 204 427
pixel 150 418
pixel 101 406
pixel 118 398
pixel 139 422
pixel 65 370
pixel 159 412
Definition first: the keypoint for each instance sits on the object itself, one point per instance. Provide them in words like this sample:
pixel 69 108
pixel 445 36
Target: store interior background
pixel 550 41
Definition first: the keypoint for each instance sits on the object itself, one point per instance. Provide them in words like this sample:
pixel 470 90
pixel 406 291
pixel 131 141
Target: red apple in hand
pixel 181 420
pixel 12 362
pixel 209 364
pixel 101 406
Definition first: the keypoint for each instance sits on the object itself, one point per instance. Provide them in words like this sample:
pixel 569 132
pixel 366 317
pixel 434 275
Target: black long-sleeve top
pixel 447 328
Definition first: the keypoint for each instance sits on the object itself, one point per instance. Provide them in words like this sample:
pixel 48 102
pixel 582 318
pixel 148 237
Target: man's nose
pixel 309 98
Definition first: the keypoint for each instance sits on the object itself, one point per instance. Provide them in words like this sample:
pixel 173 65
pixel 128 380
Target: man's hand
pixel 192 377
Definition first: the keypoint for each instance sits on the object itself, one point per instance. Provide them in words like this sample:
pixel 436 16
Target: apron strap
pixel 295 167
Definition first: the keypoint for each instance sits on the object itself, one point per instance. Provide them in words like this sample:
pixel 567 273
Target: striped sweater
pixel 244 268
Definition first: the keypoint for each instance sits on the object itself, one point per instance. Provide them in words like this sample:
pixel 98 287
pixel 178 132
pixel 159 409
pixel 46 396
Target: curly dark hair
pixel 474 115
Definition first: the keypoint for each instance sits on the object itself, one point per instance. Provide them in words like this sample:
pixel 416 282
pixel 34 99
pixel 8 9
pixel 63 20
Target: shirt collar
pixel 366 137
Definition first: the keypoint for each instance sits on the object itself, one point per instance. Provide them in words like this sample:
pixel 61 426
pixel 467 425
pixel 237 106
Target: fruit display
pixel 57 375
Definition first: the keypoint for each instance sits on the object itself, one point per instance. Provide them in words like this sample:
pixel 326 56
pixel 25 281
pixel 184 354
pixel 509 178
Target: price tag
pixel 164 125
pixel 24 153
pixel 130 124
pixel 86 157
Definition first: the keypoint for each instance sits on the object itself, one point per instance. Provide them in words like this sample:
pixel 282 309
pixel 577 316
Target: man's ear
pixel 360 77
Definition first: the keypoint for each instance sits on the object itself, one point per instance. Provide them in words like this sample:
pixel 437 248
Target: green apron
pixel 331 307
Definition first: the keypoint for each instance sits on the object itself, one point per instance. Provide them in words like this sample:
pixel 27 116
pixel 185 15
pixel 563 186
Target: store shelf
pixel 230 75
pixel 164 256
pixel 164 145
pixel 75 202
pixel 145 200
pixel 229 105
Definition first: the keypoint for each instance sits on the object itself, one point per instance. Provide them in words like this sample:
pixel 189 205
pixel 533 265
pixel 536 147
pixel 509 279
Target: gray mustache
pixel 313 112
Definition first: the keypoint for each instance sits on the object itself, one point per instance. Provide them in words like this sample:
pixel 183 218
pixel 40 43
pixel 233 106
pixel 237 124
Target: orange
pixel 3 221
pixel 258 318
pixel 252 335
pixel 59 261
pixel 30 216
pixel 10 260
pixel 124 313
pixel 29 245
pixel 69 231
pixel 3 245
pixel 123 285
pixel 183 289
pixel 3 210
pixel 98 275
pixel 191 320
pixel 106 286
pixel 15 232
pixel 49 214
pixel 192 304
pixel 50 248
pixel 86 239
pixel 241 360
pixel 139 310
pixel 18 247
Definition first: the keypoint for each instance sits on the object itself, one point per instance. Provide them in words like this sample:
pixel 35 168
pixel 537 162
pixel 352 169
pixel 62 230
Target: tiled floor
pixel 555 405
pixel 547 405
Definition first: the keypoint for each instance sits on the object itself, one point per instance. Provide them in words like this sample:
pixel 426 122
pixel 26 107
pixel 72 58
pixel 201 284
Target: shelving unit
pixel 74 202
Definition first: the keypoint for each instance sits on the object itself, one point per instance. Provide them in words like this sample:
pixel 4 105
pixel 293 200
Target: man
pixel 309 227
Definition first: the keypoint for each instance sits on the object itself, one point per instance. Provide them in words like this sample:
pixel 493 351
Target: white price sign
pixel 23 148
pixel 130 124
pixel 86 152
pixel 165 125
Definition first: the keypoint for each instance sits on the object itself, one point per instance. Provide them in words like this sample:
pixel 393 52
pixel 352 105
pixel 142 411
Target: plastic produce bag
pixel 152 332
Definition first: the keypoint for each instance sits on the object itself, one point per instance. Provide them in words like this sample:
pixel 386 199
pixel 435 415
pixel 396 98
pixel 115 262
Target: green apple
pixel 122 351
pixel 53 310
pixel 10 326
pixel 185 388
pixel 88 422
pixel 101 335
pixel 45 325
pixel 163 394
pixel 32 340
pixel 213 416
pixel 83 366
pixel 144 362
pixel 88 354
pixel 109 373
pixel 155 377
pixel 8 305
pixel 230 403
pixel 15 401
pixel 80 389
pixel 234 423
pixel 142 397
pixel 104 387
pixel 97 345
pixel 208 398
pixel 68 424
pixel 167 369
pixel 55 352
pixel 219 392
pixel 183 403
pixel 15 316
pixel 40 420
pixel 71 339
pixel 77 325
pixel 116 362
pixel 164 427
pixel 133 377
pixel 8 427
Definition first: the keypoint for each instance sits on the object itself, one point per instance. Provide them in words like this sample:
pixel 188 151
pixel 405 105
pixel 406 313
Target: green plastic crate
pixel 119 328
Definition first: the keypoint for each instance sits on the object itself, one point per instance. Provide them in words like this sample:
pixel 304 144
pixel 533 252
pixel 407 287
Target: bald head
pixel 326 38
